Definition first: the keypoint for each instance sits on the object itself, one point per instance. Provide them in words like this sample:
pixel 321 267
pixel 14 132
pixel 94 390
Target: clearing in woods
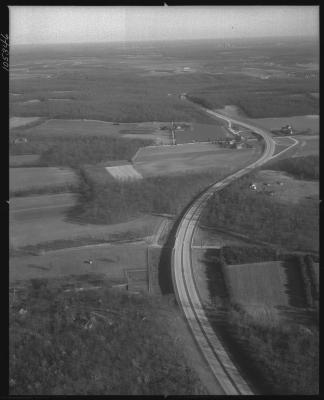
pixel 286 188
pixel 258 283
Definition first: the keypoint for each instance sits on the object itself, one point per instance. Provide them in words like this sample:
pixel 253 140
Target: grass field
pixel 42 219
pixel 23 160
pixel 21 179
pixel 152 161
pixel 291 191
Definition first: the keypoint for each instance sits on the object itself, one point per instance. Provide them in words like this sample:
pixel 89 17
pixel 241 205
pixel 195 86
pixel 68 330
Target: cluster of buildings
pixel 287 130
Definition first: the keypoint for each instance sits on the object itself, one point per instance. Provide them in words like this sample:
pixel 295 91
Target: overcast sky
pixel 67 24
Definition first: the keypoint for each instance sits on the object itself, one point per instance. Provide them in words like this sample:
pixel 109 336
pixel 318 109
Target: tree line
pixel 109 201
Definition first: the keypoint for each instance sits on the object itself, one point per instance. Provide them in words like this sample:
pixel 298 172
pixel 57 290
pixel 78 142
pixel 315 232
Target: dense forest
pixel 69 342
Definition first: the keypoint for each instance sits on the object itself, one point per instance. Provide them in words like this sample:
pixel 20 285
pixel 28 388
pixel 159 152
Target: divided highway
pixel 186 291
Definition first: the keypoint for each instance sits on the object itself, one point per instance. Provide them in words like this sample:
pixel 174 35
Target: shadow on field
pixel 216 281
pixel 165 263
pixel 294 284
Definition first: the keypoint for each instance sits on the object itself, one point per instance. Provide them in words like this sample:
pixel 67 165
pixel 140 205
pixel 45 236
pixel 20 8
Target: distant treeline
pixel 110 201
pixel 260 98
pixel 255 214
pixel 60 150
pixel 300 167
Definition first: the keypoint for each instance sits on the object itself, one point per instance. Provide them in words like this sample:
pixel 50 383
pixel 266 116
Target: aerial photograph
pixel 163 200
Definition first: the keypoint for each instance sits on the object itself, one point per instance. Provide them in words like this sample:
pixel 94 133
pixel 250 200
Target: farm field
pixel 110 260
pixel 300 123
pixel 261 283
pixel 16 122
pixel 23 160
pixel 202 133
pixel 77 127
pixel 292 190
pixel 40 177
pixel 152 161
pixel 124 172
pixel 42 219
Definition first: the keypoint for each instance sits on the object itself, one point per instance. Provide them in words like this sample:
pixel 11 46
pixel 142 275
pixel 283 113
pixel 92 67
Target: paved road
pixel 187 294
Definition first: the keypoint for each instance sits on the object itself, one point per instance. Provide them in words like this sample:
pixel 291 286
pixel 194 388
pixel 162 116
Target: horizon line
pixel 164 40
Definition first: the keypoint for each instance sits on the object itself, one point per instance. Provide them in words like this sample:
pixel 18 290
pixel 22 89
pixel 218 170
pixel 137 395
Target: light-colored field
pixel 15 122
pixel 124 172
pixel 153 161
pixel 20 161
pixel 110 260
pixel 37 177
pixel 39 219
pixel 292 190
pixel 300 123
pixel 261 283
pixel 148 130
